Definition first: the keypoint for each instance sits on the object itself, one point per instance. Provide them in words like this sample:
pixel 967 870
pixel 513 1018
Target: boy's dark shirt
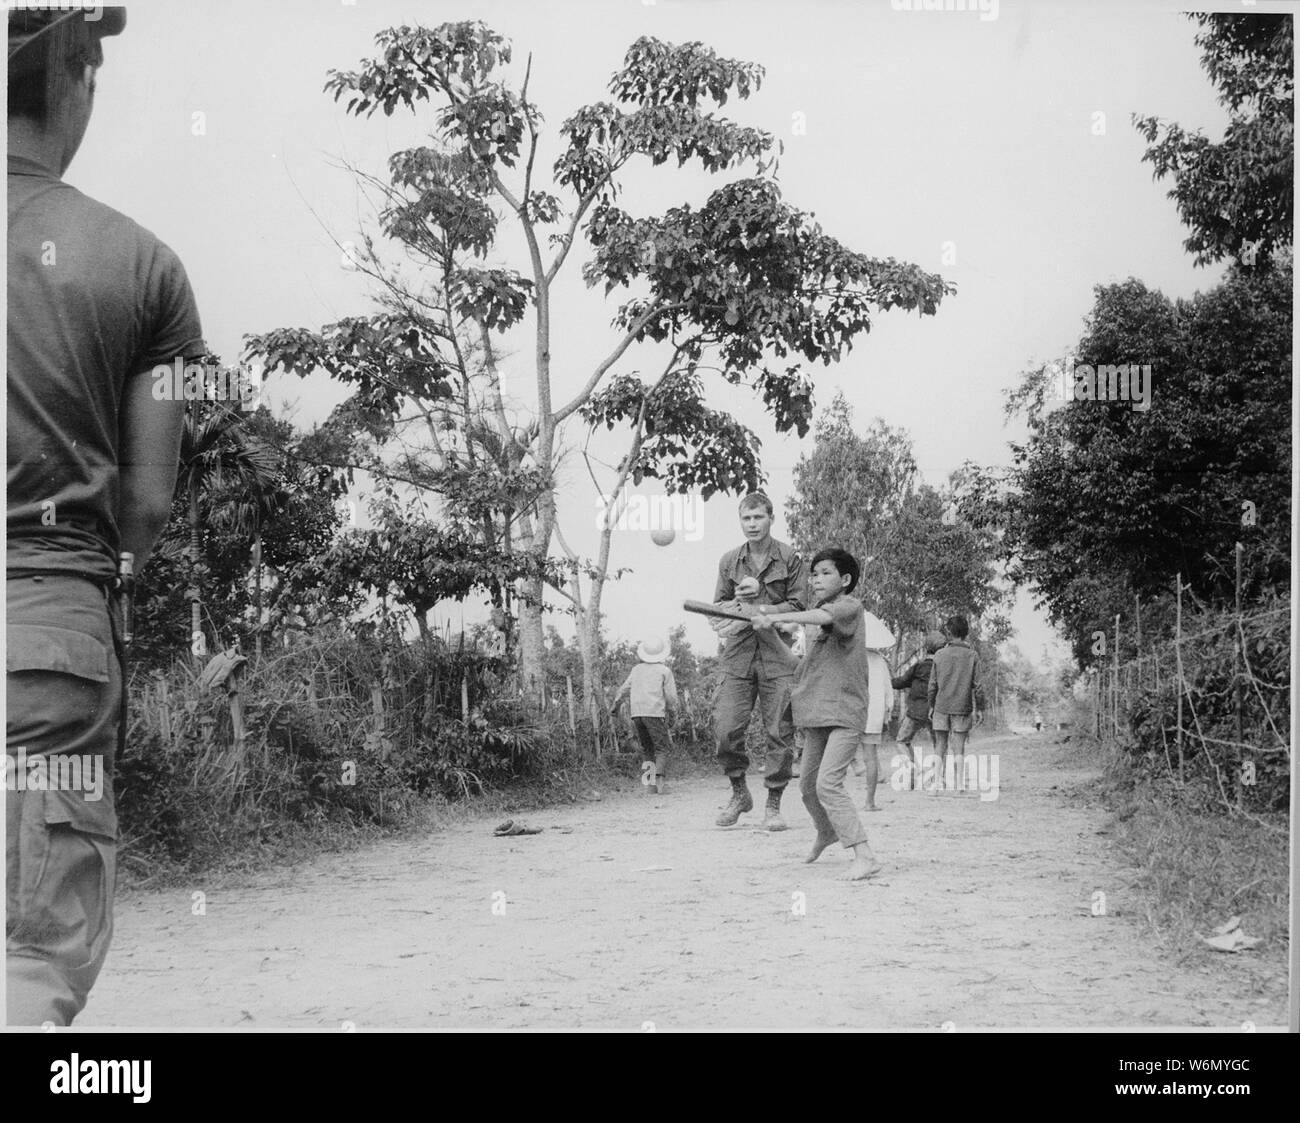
pixel 916 681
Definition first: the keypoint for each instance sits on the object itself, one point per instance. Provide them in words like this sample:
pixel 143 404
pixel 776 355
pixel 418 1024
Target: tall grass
pixel 347 738
pixel 1198 866
pixel 319 758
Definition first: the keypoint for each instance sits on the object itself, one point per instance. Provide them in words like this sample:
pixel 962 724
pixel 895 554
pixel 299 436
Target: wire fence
pixel 1212 700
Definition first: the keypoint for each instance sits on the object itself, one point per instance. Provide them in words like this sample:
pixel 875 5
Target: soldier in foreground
pixel 95 302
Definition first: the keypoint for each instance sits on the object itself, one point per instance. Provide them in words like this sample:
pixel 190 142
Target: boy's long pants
pixel 63 704
pixel 828 751
pixel 656 741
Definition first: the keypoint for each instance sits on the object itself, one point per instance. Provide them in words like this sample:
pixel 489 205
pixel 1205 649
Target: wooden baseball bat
pixel 706 608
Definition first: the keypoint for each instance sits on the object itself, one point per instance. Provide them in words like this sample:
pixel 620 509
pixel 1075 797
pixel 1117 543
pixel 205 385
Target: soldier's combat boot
pixel 772 820
pixel 741 801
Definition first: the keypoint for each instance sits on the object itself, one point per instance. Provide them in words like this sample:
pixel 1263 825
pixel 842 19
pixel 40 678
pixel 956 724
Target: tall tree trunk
pixel 593 678
pixel 426 648
pixel 530 641
pixel 529 602
pixel 530 623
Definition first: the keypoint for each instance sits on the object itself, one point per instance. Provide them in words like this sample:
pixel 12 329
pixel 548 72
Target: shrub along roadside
pixel 346 741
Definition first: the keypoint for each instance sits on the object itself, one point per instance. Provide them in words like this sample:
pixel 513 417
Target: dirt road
pixel 635 909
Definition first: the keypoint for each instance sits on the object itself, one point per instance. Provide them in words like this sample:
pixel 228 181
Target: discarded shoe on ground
pixel 510 827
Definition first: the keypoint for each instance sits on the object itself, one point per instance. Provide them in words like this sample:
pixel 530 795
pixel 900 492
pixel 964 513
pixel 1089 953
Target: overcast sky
pixel 907 133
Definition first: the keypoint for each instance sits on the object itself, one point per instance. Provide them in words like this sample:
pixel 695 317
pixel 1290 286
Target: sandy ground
pixel 635 912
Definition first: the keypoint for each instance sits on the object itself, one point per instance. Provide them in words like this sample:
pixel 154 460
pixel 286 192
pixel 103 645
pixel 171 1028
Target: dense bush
pixel 1212 757
pixel 316 749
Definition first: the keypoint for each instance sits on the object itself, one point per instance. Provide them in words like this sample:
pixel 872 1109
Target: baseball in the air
pixel 663 536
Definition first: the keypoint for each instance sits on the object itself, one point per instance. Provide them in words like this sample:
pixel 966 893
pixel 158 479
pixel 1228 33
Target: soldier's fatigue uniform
pixel 93 300
pixel 758 665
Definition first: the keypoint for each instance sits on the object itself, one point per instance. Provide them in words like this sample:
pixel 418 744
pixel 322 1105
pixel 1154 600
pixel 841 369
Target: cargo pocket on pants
pixel 63 719
pixel 60 889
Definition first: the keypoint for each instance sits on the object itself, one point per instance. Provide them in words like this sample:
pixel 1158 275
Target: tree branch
pixel 584 394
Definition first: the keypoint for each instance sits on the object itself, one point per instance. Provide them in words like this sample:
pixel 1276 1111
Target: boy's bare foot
pixel 871 807
pixel 862 868
pixel 823 841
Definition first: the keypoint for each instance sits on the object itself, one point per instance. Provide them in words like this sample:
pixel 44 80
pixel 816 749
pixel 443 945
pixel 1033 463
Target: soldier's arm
pixel 150 446
pixel 726 587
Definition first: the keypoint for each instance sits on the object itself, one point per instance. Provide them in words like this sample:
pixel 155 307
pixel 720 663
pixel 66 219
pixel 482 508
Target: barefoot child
pixel 829 699
pixel 652 692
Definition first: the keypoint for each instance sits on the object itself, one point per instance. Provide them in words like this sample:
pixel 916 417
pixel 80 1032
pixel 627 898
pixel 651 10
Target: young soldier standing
pixel 95 303
pixel 764 576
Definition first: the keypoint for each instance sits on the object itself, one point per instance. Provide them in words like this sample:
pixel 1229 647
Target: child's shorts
pixel 953 723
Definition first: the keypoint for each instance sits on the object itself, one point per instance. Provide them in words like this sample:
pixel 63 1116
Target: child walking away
pixel 954 707
pixel 829 699
pixel 652 692
pixel 916 719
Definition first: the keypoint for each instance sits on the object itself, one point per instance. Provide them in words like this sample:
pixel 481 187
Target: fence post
pixel 235 700
pixel 1096 703
pixel 1178 665
pixel 573 724
pixel 1115 686
pixel 464 699
pixel 377 706
pixel 1238 672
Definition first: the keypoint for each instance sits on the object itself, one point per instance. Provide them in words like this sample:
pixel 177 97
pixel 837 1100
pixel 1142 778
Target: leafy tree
pixel 230 478
pixel 919 566
pixel 1105 502
pixel 278 521
pixel 1236 195
pixel 746 286
pixel 413 560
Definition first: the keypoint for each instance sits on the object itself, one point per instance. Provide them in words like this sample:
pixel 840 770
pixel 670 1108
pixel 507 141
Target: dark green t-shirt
pixel 830 687
pixel 93 299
